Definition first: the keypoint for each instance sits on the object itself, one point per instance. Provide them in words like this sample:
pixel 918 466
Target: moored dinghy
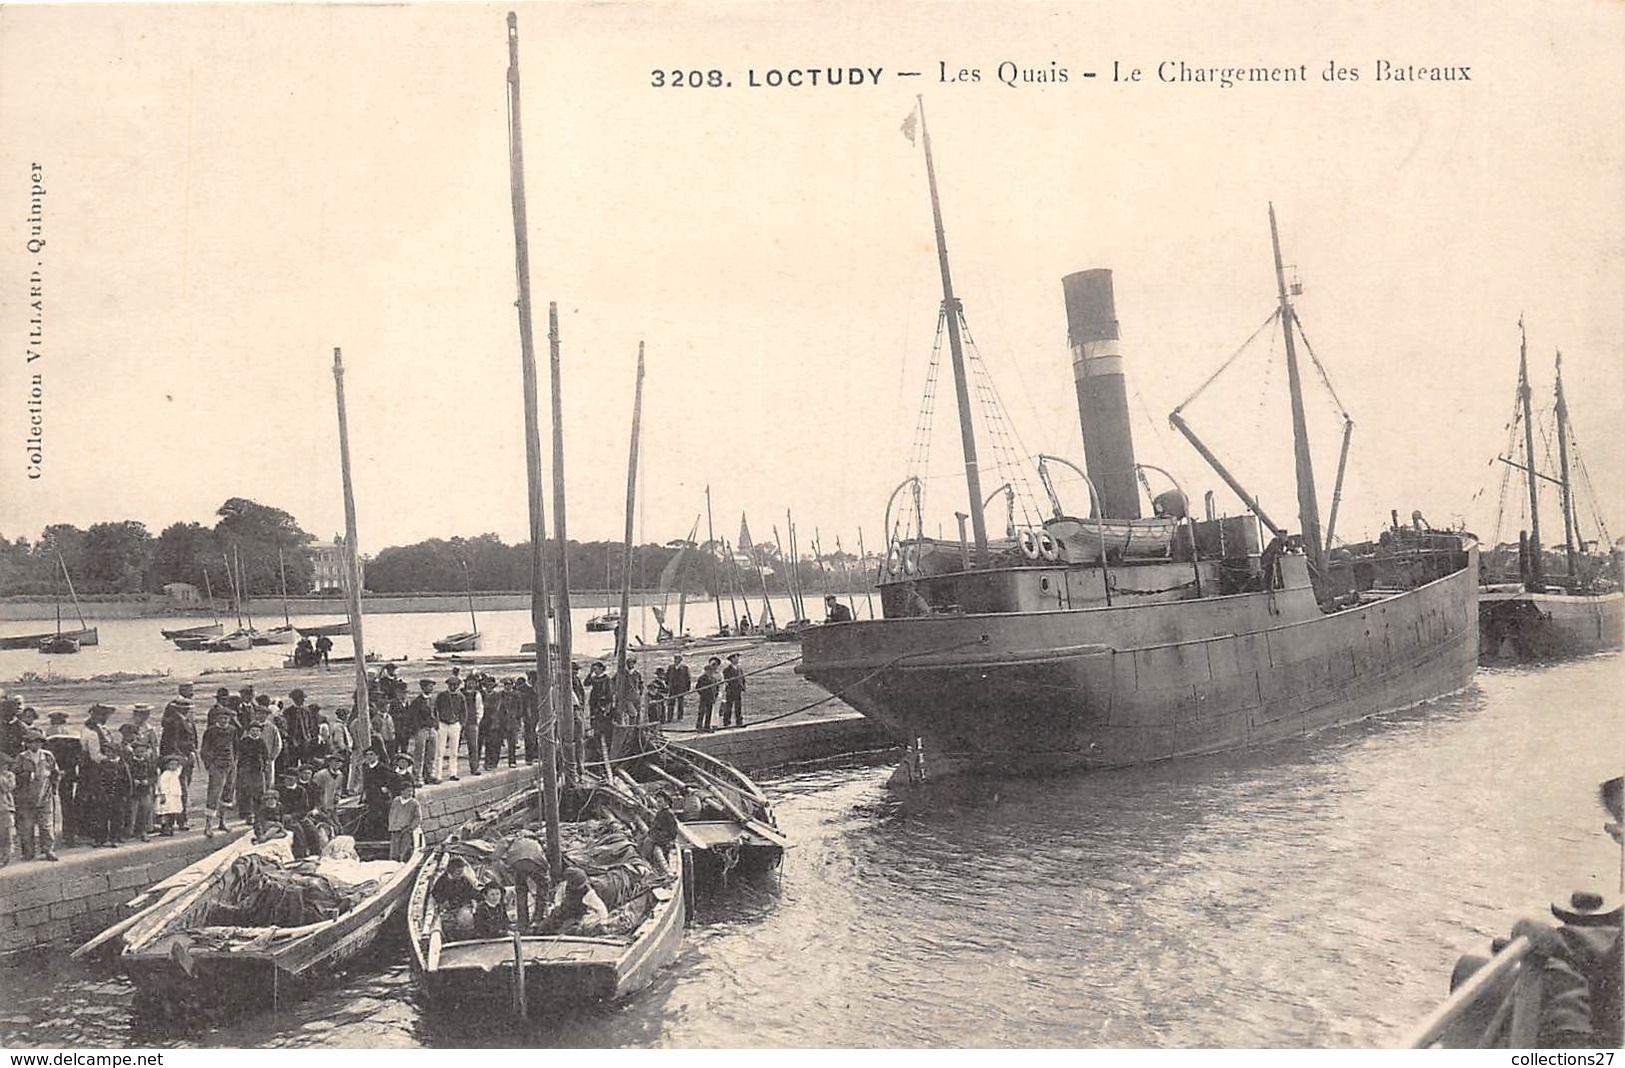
pixel 645 928
pixel 236 934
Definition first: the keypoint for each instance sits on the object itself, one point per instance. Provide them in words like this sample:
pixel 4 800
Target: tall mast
pixel 624 630
pixel 468 592
pixel 1536 565
pixel 1570 528
pixel 208 592
pixel 362 730
pixel 282 571
pixel 1308 506
pixel 547 725
pixel 711 539
pixel 967 433
pixel 561 544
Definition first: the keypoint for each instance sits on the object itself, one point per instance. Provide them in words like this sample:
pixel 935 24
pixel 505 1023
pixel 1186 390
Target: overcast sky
pixel 233 191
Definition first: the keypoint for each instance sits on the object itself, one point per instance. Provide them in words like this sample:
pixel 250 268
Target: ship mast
pixel 1308 505
pixel 545 694
pixel 1569 526
pixel 1536 565
pixel 967 434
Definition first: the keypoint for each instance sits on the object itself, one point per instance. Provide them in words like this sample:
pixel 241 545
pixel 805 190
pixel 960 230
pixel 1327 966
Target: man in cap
pixel 499 727
pixel 36 797
pixel 253 767
pixel 424 726
pixel 733 692
pixel 679 681
pixel 218 751
pixel 178 736
pixel 449 709
pixel 303 728
pixel 141 720
pixel 529 714
pixel 143 765
pixel 835 611
pixel 577 907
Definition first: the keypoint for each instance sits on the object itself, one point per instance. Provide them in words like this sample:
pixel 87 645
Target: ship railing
pixel 1511 981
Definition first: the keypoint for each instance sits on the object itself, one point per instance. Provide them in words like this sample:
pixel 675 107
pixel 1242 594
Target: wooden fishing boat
pixel 550 968
pixel 177 952
pixel 462 642
pixel 85 636
pixel 206 630
pixel 332 630
pixel 724 818
pixel 199 643
pixel 605 623
pixel 285 635
pixel 59 643
pixel 235 642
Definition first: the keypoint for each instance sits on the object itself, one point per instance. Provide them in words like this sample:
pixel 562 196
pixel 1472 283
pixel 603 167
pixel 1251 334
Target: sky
pixel 234 191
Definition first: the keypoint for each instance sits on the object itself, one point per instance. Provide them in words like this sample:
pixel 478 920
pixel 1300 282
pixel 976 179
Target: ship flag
pixel 910 123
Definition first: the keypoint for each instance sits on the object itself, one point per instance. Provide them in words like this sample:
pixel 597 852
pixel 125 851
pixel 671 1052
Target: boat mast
pixel 208 591
pixel 362 730
pixel 76 609
pixel 1536 565
pixel 711 539
pixel 242 585
pixel 1308 506
pixel 863 560
pixel 967 433
pixel 562 597
pixel 546 728
pixel 468 592
pixel 282 570
pixel 231 579
pixel 623 631
pixel 1570 527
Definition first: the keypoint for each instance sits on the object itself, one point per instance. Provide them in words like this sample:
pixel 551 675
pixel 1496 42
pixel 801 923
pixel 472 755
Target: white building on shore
pixel 327 558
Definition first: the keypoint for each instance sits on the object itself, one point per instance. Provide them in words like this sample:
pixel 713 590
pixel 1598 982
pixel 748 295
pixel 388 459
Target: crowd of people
pixel 289 760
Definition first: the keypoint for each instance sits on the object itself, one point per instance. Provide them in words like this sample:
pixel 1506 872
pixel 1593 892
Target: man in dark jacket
pixel 449 709
pixel 733 692
pixel 11 727
pixel 300 738
pixel 179 738
pixel 835 611
pixel 530 713
pixel 253 760
pixel 679 682
pixel 421 727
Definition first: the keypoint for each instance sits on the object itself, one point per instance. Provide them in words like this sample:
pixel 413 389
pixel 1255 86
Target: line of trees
pixel 125 558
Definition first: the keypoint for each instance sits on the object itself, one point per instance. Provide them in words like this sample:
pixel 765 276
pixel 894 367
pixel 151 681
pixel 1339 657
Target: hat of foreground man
pixel 576 879
pixel 140 710
pixel 296 696
pixel 1588 908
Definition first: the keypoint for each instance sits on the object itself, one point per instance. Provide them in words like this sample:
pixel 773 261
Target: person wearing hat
pixel 377 787
pixel 733 692
pixel 706 691
pixel 36 797
pixel 491 913
pixel 253 764
pixel 450 706
pixel 600 700
pixel 300 738
pixel 327 781
pixel 476 706
pixel 143 765
pixel 141 720
pixel 424 728
pixel 527 710
pixel 97 777
pixel 501 725
pixel 405 816
pixel 63 742
pixel 218 752
pixel 455 891
pixel 679 681
pixel 577 908
pixel 178 736
pixel 835 611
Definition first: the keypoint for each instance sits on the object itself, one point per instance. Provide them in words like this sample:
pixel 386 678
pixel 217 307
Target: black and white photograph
pixel 816 525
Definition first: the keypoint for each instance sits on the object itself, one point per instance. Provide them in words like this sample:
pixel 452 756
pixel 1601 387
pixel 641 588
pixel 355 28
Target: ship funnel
pixel 1097 368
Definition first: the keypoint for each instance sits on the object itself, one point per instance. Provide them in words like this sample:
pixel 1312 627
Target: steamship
pixel 1117 638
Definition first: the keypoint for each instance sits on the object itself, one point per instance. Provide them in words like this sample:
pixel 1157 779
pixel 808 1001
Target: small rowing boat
pixel 86 636
pixel 462 642
pixel 722 816
pixel 249 921
pixel 235 642
pixel 276 636
pixel 187 634
pixel 332 630
pixel 611 960
pixel 59 643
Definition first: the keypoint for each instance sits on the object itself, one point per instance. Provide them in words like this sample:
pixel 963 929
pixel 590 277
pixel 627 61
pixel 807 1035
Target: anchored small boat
pixel 605 623
pixel 644 931
pixel 724 818
pixel 331 630
pixel 235 642
pixel 462 642
pixel 249 920
pixel 59 643
pixel 188 634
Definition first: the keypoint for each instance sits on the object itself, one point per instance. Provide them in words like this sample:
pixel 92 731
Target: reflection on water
pixel 1314 893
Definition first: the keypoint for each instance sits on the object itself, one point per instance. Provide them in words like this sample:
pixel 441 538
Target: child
pixel 168 805
pixel 8 806
pixel 143 780
pixel 405 814
pixel 491 913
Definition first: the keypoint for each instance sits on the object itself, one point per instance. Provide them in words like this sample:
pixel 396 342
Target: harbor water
pixel 1313 893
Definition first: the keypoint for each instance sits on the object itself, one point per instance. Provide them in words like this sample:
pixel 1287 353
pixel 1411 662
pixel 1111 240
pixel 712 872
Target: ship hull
pixel 1515 624
pixel 1026 692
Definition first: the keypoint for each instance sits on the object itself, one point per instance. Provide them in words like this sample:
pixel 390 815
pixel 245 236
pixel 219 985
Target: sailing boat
pixel 59 642
pixel 85 635
pixel 610 618
pixel 464 641
pixel 1525 612
pixel 285 634
pixel 189 639
pixel 1059 650
pixel 243 637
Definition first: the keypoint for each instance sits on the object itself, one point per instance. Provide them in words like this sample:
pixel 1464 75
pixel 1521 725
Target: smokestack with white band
pixel 1097 368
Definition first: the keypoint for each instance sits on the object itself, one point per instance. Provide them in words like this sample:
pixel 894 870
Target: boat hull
pixel 1017 693
pixel 1514 624
pixel 86 636
pixel 332 630
pixel 206 630
pixel 466 642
